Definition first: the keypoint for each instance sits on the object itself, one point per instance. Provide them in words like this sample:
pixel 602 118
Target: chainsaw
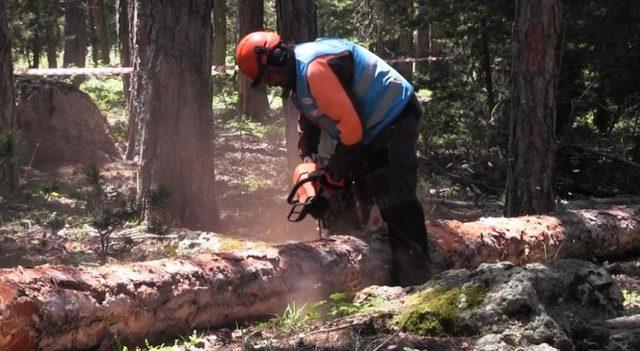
pixel 334 209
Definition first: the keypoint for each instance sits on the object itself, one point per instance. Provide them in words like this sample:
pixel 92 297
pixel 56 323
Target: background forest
pixel 466 129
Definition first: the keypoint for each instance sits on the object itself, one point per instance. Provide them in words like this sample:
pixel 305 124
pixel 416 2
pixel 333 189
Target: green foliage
pixel 110 208
pixel 157 227
pixel 49 188
pixel 342 304
pixel 436 311
pixel 157 197
pixel 55 222
pixel 294 317
pixel 106 92
pixel 93 176
pixel 631 300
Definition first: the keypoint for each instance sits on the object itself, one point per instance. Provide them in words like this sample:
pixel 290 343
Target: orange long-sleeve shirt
pixel 332 97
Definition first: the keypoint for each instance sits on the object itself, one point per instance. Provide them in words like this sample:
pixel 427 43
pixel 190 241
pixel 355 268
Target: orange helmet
pixel 252 53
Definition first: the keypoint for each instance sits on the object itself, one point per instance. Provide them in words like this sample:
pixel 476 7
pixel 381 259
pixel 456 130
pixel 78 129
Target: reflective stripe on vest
pixel 380 93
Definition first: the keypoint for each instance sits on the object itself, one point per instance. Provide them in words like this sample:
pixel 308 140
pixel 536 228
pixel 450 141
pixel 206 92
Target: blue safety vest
pixel 380 92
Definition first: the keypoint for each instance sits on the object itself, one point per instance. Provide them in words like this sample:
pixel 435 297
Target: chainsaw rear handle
pixel 292 199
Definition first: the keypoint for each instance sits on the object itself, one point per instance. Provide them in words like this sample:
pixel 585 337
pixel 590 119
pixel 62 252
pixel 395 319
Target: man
pixel 372 113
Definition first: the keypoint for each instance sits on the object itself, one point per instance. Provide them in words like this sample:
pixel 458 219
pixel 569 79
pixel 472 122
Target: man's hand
pixel 328 178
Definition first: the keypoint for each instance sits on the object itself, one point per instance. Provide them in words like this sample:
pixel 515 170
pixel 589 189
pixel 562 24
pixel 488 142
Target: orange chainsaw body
pixel 308 189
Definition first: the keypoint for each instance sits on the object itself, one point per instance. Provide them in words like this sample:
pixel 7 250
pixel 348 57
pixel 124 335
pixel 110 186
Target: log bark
pixel 589 234
pixel 58 308
pixel 62 308
pixel 601 335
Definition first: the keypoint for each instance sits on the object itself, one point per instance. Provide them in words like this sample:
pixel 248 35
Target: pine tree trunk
pixel 7 90
pixel 78 308
pixel 126 50
pixel 423 40
pixel 99 39
pixel 52 35
pixel 124 46
pixel 405 42
pixel 297 23
pixel 173 95
pixel 531 163
pixel 36 50
pixel 253 101
pixel 8 172
pixel 219 32
pixel 75 33
pixel 486 63
pixel 75 44
pixel 36 25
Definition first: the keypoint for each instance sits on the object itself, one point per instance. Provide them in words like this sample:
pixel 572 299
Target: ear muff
pixel 277 56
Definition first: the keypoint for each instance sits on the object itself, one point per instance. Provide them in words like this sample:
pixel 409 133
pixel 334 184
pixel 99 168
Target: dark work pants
pixel 391 178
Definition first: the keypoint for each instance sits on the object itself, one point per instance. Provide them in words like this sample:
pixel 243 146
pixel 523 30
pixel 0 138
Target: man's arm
pixel 327 77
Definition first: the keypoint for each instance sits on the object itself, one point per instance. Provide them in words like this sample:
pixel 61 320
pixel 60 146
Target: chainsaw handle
pixel 299 211
pixel 291 199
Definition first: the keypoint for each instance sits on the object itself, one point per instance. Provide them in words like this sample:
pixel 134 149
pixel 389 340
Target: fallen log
pixel 622 333
pixel 601 234
pixel 59 308
pixel 62 308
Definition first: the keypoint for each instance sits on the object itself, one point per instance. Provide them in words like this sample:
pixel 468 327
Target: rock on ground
pixel 497 306
pixel 61 126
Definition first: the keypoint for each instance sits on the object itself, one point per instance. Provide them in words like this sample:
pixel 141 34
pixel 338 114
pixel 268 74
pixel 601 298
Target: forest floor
pixel 48 221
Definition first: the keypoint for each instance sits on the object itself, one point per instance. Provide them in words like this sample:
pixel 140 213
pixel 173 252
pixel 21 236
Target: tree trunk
pixel 297 20
pixel 531 162
pixel 75 33
pixel 253 101
pixel 52 33
pixel 7 90
pixel 219 32
pixel 173 98
pixel 405 41
pixel 75 44
pixel 297 23
pixel 99 38
pixel 423 40
pixel 86 307
pixel 8 167
pixel 130 82
pixel 486 64
pixel 124 47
